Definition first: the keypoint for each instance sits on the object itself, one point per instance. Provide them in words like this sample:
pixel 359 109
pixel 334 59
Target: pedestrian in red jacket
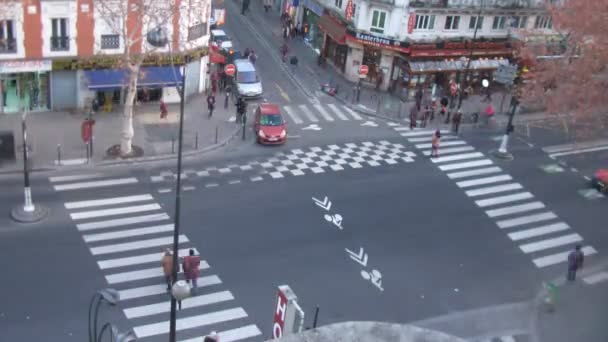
pixel 191 269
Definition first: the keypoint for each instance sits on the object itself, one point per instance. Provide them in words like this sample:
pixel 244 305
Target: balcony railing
pixel 505 4
pixel 110 41
pixel 60 43
pixel 384 2
pixel 8 45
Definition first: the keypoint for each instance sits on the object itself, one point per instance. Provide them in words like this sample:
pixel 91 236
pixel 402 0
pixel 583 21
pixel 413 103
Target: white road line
pixel 192 302
pixel 190 322
pixel 493 189
pixel 151 290
pixel 352 113
pixel 476 172
pixel 128 246
pixel 596 278
pixel 504 199
pixel 560 257
pixel 308 113
pixel 95 184
pixel 324 113
pixel 452 150
pixel 550 243
pixel 108 201
pixel 122 221
pixel 114 211
pixel 337 111
pixel 465 165
pixel 514 209
pixel 414 133
pixel 482 181
pixel 232 335
pixel 579 151
pixel 444 143
pixel 74 177
pixel 138 259
pixel 526 219
pixel 457 157
pixel 548 229
pixel 430 137
pixel 292 114
pixel 128 233
pixel 154 272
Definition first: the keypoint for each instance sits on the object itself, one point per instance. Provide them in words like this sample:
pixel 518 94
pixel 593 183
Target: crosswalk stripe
pixel 476 172
pixel 232 335
pixel 504 199
pixel 165 306
pixel 122 221
pixel 560 257
pixel 452 150
pixel 138 259
pixel 352 113
pixel 147 273
pixel 94 184
pixel 444 143
pixel 507 339
pixel 107 201
pixel 114 211
pixel 550 243
pixel 526 219
pixel 70 178
pixel 157 289
pixel 457 157
pixel 430 138
pixel 482 181
pixel 493 189
pixel 414 133
pixel 514 209
pixel 465 165
pixel 128 233
pixel 337 111
pixel 596 278
pixel 308 113
pixel 533 232
pixel 190 322
pixel 292 114
pixel 128 246
pixel 324 113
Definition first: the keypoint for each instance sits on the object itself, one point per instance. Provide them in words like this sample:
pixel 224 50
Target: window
pixel 475 21
pixel 451 22
pixel 499 23
pixel 425 22
pixel 378 20
pixel 338 3
pixel 7 38
pixel 110 41
pixel 543 23
pixel 60 40
pixel 519 22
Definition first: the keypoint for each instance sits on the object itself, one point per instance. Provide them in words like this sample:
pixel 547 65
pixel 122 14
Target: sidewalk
pixel 54 137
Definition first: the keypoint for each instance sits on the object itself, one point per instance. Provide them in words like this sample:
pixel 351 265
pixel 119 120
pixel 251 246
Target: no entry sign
pixel 363 70
pixel 230 69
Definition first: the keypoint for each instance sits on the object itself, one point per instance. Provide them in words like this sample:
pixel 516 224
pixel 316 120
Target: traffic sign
pixel 505 74
pixel 363 70
pixel 230 69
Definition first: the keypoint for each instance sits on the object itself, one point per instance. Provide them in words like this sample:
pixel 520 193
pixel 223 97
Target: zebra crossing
pixel 126 232
pixel 527 221
pixel 301 114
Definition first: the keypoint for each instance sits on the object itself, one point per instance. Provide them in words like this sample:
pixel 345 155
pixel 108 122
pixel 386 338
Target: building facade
pixel 62 54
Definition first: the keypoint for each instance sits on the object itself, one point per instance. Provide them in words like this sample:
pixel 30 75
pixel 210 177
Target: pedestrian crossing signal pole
pixel 502 150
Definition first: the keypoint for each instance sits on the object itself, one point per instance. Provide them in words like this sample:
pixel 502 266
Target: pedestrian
pixel 379 79
pixel 167 264
pixel 575 262
pixel 214 81
pixel 419 95
pixel 246 53
pixel 211 103
pixel 413 116
pixel 425 115
pixel 252 56
pixel 285 31
pixel 489 113
pixel 456 119
pixel 284 50
pixel 294 63
pixel 163 110
pixel 267 5
pixel 191 269
pixel 433 109
pixel 435 144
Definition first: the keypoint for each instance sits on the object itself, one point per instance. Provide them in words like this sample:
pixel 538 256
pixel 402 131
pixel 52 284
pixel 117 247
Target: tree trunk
pixel 127 122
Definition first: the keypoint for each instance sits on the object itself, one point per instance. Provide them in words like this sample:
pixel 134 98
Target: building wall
pixel 32 29
pixel 85 25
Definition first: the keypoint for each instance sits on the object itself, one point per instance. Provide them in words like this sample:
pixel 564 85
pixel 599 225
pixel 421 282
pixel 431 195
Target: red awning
pixel 216 57
pixel 333 28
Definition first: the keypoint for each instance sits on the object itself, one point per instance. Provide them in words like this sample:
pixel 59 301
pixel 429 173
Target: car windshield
pixel 220 39
pixel 271 120
pixel 247 77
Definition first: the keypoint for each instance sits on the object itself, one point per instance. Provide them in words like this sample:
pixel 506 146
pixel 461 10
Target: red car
pixel 600 180
pixel 269 125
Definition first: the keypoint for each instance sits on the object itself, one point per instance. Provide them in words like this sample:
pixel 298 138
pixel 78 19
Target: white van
pixel 248 83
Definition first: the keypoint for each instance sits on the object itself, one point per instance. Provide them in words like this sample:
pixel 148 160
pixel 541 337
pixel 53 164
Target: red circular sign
pixel 230 69
pixel 363 70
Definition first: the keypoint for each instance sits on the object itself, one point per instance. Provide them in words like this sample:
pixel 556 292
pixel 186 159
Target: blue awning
pixel 149 77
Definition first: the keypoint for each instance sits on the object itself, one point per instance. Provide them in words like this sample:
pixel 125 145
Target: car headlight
pixel 261 134
pixel 283 133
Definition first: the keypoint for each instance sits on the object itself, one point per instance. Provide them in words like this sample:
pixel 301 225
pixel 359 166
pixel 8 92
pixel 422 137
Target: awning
pixel 150 77
pixel 456 65
pixel 333 28
pixel 216 57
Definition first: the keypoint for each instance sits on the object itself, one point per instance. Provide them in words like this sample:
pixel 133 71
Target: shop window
pixel 378 21
pixel 451 22
pixel 425 22
pixel 499 23
pixel 60 39
pixel 338 3
pixel 7 38
pixel 543 22
pixel 476 21
pixel 519 21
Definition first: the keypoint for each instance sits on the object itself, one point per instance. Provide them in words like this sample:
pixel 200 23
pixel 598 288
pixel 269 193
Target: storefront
pixel 25 85
pixel 311 13
pixel 335 49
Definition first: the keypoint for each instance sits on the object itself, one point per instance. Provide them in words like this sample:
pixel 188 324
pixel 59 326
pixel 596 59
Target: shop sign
pixel 382 42
pixel 313 6
pixel 411 22
pixel 349 10
pixel 13 67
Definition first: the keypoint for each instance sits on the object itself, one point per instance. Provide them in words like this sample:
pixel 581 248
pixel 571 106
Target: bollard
pixel 196 141
pixel 314 322
pixel 216 133
pixel 86 146
pixel 58 154
pixel 173 144
pixel 378 105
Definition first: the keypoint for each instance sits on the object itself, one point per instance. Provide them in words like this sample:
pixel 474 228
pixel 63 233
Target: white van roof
pixel 218 32
pixel 244 65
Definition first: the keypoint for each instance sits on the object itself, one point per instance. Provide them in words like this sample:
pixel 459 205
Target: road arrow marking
pixel 370 124
pixel 325 204
pixel 360 258
pixel 313 127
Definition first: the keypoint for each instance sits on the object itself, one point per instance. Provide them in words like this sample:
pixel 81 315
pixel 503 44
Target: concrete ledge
pixel 369 332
